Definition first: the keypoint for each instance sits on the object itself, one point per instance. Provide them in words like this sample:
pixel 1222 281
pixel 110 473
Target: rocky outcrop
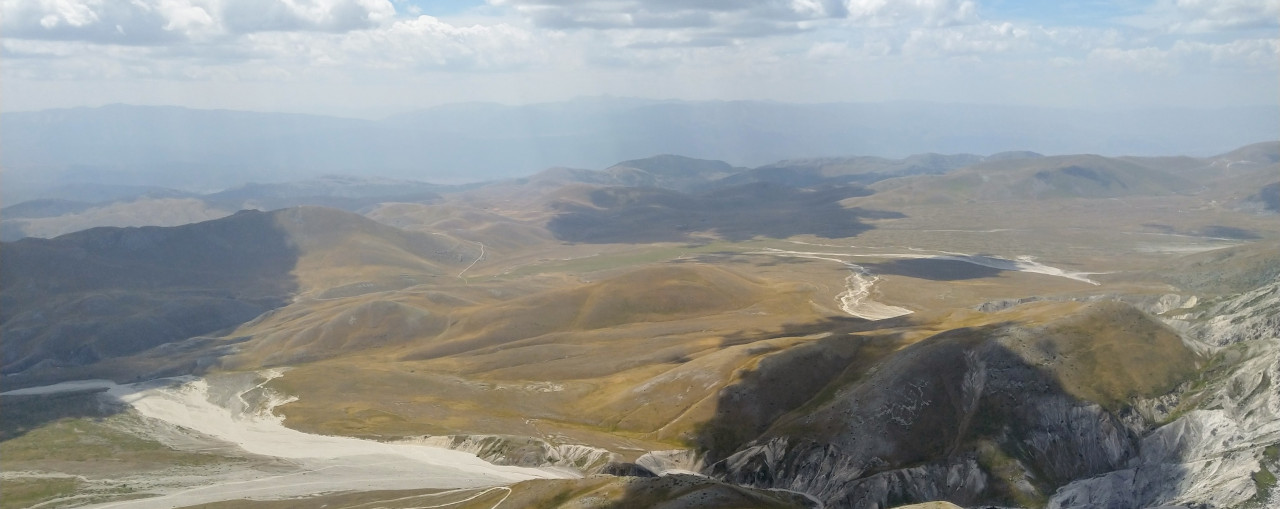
pixel 1252 316
pixel 962 417
pixel 979 417
pixel 625 469
pixel 674 461
pixel 930 505
pixel 525 451
pixel 1215 453
pixel 842 480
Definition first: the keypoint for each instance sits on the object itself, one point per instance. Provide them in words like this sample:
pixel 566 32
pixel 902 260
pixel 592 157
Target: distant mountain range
pixel 205 150
pixel 687 189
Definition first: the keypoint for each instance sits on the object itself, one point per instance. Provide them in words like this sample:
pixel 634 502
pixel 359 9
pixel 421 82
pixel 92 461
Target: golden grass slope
pixel 1107 352
pixel 338 248
pixel 589 356
pixel 600 345
pixel 430 323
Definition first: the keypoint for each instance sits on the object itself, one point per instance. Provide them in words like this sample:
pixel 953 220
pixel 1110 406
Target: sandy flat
pixel 323 463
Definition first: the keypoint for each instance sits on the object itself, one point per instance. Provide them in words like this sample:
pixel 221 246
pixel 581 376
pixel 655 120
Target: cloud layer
pixel 1225 51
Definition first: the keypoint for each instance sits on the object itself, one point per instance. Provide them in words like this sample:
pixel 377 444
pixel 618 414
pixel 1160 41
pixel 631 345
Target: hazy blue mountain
pixel 45 207
pixel 845 170
pixel 106 205
pixel 204 150
pixel 337 191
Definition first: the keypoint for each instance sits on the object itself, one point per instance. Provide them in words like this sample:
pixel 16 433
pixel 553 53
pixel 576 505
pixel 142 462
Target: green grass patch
pixel 31 491
pixel 1007 472
pixel 1264 480
pixel 1265 483
pixel 96 440
pixel 26 413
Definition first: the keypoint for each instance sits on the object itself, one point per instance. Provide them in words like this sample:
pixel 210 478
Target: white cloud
pixel 58 12
pixel 1260 54
pixel 184 17
pixel 1209 16
pixel 969 40
pixel 426 42
pixel 739 18
pixel 915 12
pixel 247 16
pixel 1194 56
pixel 412 45
pixel 779 49
pixel 90 20
pixel 155 22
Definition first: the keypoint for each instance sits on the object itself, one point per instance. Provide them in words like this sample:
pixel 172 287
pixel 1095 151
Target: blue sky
pixel 1082 13
pixel 375 57
pixel 442 7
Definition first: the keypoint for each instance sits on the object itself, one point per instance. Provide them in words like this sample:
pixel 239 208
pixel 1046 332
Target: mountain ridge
pixel 209 149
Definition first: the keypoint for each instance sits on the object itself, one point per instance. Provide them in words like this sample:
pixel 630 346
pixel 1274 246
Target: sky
pixel 369 58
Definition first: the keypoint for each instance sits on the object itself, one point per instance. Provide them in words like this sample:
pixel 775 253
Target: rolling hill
pixel 103 293
pixel 850 170
pixel 1079 176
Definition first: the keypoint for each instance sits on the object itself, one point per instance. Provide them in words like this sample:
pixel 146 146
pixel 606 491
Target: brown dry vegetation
pixel 629 347
pixel 469 317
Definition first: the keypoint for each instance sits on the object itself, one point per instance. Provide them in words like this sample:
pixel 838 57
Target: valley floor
pixel 233 415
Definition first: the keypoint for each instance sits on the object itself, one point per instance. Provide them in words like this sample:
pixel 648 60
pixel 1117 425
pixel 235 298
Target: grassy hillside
pixel 848 170
pixel 110 292
pixel 1077 176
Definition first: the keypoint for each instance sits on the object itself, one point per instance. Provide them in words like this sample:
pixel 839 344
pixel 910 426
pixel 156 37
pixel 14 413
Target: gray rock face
pixel 675 460
pixel 1209 455
pixel 973 422
pixel 525 451
pixel 922 438
pixel 841 480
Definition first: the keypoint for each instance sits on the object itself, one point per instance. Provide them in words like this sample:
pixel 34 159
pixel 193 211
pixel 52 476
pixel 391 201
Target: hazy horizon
pixel 210 150
pixel 659 100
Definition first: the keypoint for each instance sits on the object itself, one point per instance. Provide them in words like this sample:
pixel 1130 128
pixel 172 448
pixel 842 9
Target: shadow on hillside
pixel 1269 197
pixel 933 269
pixel 868 412
pixel 23 414
pixel 1228 232
pixel 130 304
pixel 785 381
pixel 1211 231
pixel 638 215
pixel 686 490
